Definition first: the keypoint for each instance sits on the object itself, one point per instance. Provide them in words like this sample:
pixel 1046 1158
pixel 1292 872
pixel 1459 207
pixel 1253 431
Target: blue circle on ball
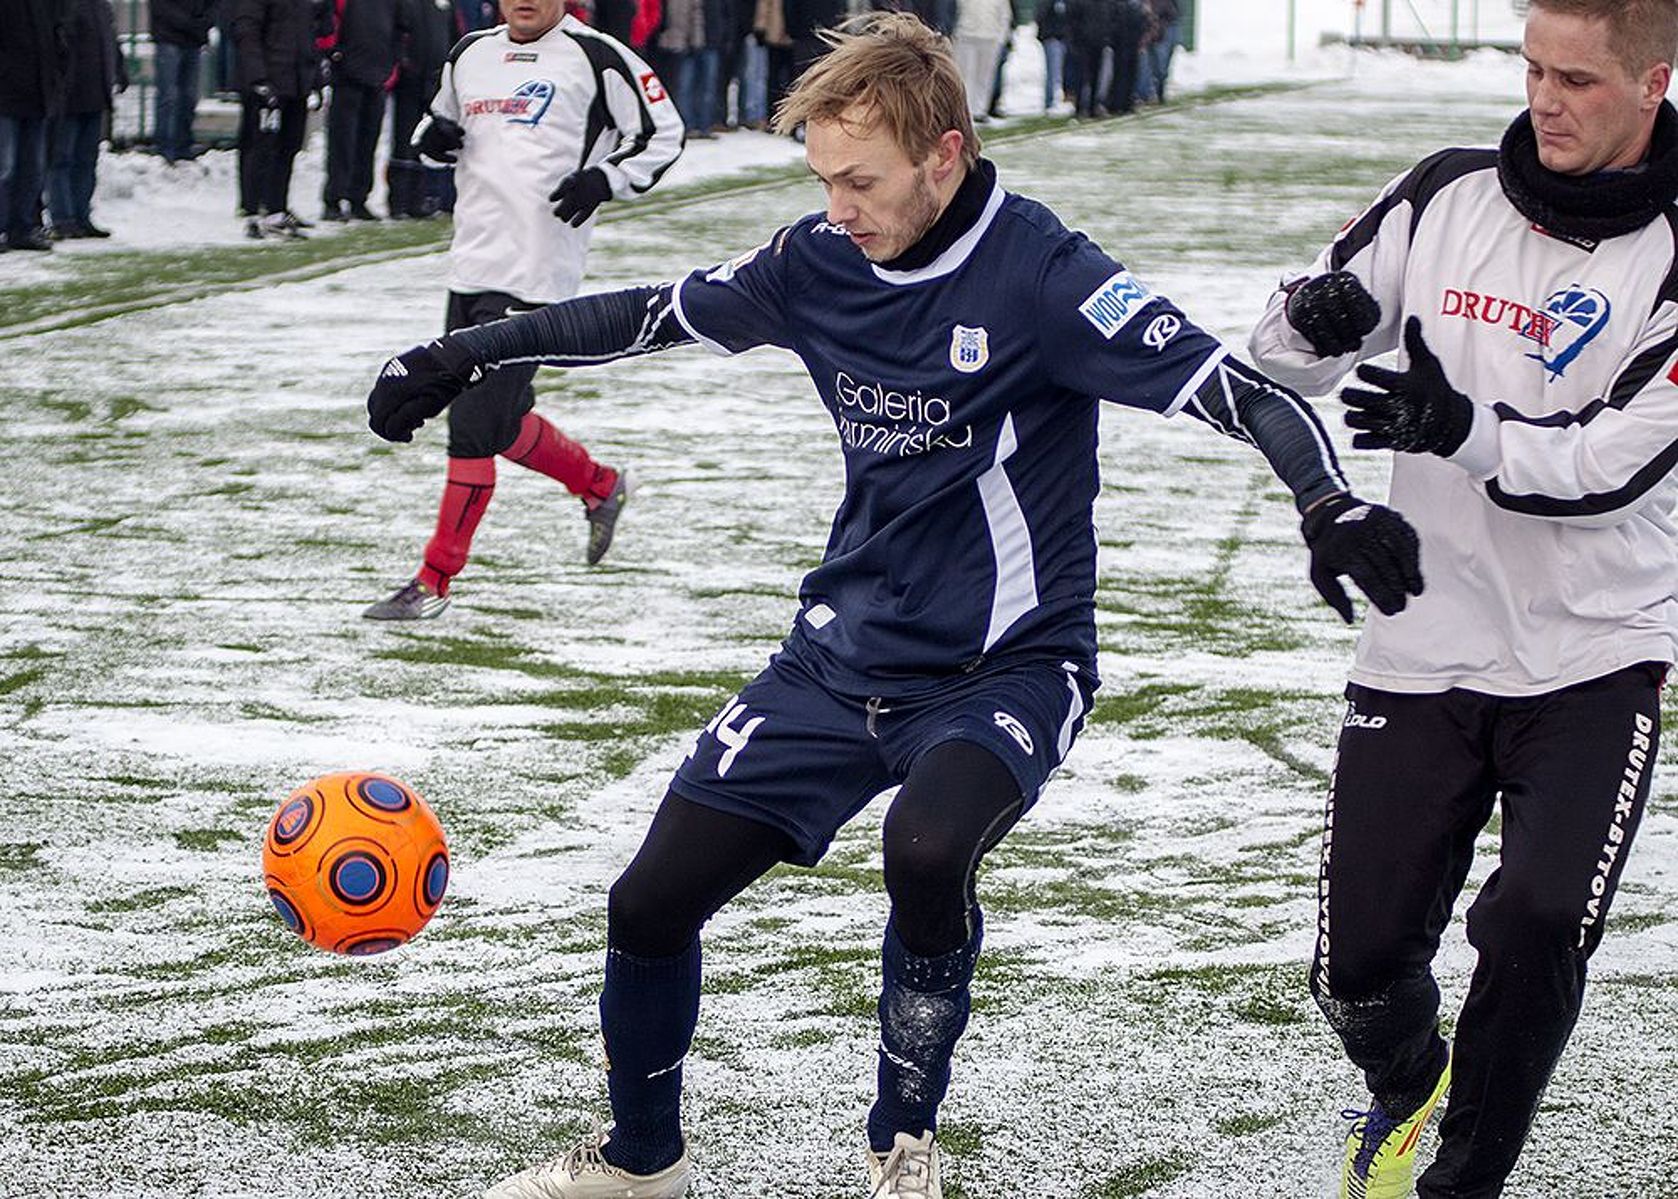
pixel 382 793
pixel 436 880
pixel 287 912
pixel 358 877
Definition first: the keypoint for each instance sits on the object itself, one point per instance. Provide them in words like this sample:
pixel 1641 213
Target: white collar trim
pixel 958 253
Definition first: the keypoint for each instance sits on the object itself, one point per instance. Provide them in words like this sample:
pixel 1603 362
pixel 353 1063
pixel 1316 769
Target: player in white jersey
pixel 545 120
pixel 1533 293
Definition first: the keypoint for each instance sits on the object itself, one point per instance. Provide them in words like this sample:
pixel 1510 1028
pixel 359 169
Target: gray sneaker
pixel 910 1169
pixel 584 1173
pixel 603 517
pixel 411 601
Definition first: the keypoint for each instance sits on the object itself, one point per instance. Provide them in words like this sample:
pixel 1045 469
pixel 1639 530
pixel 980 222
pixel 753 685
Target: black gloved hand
pixel 1417 411
pixel 442 140
pixel 264 94
pixel 415 386
pixel 579 194
pixel 1373 545
pixel 1333 312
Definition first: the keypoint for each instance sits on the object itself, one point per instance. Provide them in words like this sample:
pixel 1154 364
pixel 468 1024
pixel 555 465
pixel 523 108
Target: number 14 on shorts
pixel 725 726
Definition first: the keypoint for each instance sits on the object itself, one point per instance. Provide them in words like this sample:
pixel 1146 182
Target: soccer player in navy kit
pixel 961 339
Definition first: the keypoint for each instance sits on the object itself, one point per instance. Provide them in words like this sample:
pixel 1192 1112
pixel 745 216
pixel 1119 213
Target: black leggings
pixel 958 801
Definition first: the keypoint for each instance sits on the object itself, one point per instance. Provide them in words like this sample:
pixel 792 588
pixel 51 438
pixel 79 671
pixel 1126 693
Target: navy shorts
pixel 790 752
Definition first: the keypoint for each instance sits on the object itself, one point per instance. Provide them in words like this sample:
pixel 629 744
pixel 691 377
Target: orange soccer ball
pixel 355 863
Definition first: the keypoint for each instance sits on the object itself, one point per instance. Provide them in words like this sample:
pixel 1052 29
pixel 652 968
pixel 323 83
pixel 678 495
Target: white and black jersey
pixel 533 113
pixel 1548 539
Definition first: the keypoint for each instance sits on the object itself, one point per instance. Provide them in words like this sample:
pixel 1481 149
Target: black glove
pixel 579 194
pixel 1333 312
pixel 1373 545
pixel 442 140
pixel 1417 411
pixel 264 94
pixel 415 386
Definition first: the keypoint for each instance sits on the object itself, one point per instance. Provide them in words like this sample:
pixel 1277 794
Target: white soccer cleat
pixel 909 1171
pixel 584 1173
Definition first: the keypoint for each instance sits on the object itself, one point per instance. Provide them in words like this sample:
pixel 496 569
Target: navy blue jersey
pixel 964 394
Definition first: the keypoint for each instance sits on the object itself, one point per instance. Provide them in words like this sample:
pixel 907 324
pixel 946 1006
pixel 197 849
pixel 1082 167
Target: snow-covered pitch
pixel 197 514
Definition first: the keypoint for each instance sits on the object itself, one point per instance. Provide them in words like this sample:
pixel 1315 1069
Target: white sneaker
pixel 909 1171
pixel 584 1173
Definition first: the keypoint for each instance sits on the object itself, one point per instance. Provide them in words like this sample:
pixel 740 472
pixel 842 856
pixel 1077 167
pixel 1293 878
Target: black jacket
pixel 34 57
pixel 182 22
pixel 1052 21
pixel 96 65
pixel 275 40
pixel 369 32
pixel 432 33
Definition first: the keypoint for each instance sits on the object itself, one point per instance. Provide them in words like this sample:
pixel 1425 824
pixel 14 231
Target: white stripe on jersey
pixel 1010 539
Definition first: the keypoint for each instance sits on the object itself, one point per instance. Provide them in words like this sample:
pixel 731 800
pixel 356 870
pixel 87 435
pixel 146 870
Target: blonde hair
pixel 1641 33
pixel 897 70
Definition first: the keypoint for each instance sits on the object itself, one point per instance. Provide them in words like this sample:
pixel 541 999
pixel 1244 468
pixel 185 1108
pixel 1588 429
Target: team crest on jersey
pixel 969 349
pixel 651 88
pixel 1581 314
pixel 1111 306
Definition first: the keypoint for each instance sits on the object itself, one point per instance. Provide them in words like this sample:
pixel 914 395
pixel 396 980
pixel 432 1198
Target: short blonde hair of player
pixel 899 71
pixel 1641 33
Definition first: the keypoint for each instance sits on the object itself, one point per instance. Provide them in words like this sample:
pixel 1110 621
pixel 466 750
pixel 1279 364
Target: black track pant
pixel 485 420
pixel 353 120
pixel 1417 778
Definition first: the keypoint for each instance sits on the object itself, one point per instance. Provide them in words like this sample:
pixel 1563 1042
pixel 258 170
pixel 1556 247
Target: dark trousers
pixel 269 140
pixel 176 70
pixel 1127 47
pixel 1417 778
pixel 23 168
pixel 73 167
pixel 352 134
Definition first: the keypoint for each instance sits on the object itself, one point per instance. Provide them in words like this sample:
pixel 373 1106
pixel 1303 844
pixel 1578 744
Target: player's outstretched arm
pixel 1348 537
pixel 419 383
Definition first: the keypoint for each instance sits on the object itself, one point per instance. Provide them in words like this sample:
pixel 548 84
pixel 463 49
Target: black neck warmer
pixel 965 207
pixel 1589 207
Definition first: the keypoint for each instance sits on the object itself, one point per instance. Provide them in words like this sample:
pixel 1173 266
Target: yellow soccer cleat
pixel 1381 1152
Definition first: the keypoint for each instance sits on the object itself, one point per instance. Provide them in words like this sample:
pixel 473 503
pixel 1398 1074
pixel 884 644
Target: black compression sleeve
pixel 580 332
pixel 1237 400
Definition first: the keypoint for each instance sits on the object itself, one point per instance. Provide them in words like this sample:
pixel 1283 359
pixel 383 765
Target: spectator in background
pixel 32 41
pixel 769 27
pixel 805 21
pixel 432 32
pixel 1090 27
pixel 1130 25
pixel 680 44
pixel 477 14
pixel 179 31
pixel 1053 30
pixel 363 59
pixel 982 27
pixel 614 18
pixel 1155 66
pixel 96 69
pixel 278 68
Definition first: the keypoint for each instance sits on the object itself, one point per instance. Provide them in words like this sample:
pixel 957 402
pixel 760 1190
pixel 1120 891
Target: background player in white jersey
pixel 545 120
pixel 1534 295
pixel 960 338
